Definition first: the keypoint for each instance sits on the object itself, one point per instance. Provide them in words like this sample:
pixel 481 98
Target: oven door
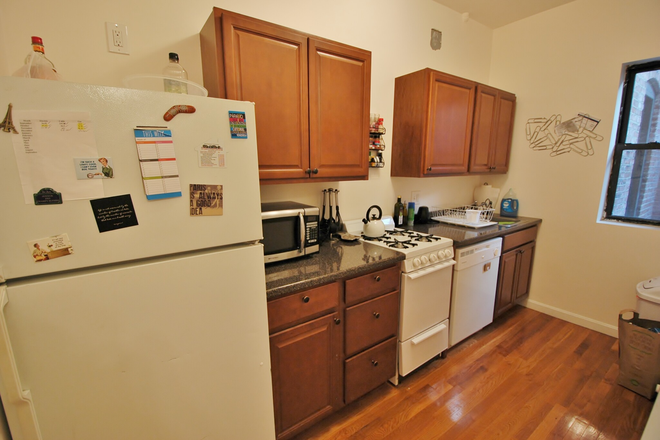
pixel 425 297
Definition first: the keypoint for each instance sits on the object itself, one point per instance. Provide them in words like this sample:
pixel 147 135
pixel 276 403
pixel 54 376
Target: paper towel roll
pixel 486 191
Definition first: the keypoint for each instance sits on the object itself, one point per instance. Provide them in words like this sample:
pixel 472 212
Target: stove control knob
pixel 425 259
pixel 449 252
pixel 416 262
pixel 433 258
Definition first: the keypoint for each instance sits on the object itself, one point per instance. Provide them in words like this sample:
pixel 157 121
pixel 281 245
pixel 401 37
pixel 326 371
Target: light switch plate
pixel 117 36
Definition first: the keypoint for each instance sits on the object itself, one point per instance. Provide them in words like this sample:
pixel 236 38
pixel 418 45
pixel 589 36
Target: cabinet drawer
pixel 302 306
pixel 371 322
pixel 516 239
pixel 367 370
pixel 371 285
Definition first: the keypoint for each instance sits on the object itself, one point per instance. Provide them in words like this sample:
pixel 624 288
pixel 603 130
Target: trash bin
pixel 648 299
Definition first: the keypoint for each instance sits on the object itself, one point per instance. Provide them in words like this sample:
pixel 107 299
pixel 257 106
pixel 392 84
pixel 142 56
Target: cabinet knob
pixel 315 171
pixel 308 171
pixel 377 278
pixel 337 321
pixel 376 315
pixel 429 169
pixel 374 362
pixel 305 299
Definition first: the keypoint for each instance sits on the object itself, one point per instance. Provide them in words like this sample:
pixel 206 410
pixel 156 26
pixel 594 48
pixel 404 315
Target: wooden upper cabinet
pixel 450 122
pixel 339 96
pixel 312 96
pixel 446 125
pixel 432 121
pixel 492 130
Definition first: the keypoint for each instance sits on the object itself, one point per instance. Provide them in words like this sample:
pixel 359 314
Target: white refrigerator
pixel 138 316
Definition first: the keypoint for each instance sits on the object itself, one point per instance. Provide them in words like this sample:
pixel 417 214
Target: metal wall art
pixel 574 135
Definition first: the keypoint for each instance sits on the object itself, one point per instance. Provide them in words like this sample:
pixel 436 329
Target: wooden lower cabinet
pixel 306 369
pixel 331 345
pixel 515 269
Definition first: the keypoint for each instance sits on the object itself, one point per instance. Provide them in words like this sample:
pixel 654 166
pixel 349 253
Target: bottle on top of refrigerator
pixel 509 204
pixel 399 212
pixel 36 64
pixel 173 73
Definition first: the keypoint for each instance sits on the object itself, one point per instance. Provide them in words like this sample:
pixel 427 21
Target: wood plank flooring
pixel 526 376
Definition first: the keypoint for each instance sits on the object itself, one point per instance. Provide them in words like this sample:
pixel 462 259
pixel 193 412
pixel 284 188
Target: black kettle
pixel 423 215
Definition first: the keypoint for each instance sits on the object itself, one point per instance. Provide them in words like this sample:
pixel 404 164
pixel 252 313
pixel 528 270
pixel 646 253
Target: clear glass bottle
pixel 398 212
pixel 36 64
pixel 173 73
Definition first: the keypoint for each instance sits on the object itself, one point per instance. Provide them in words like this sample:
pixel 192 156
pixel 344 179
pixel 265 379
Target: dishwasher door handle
pixel 424 336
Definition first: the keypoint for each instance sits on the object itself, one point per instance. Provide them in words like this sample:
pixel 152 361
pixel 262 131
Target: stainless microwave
pixel 290 229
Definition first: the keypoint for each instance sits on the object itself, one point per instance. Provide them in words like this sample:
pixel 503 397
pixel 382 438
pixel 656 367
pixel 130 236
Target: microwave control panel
pixel 311 230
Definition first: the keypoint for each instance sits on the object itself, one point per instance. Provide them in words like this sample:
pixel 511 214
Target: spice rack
pixel 376 142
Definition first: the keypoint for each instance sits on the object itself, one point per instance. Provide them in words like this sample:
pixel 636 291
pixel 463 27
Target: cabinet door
pixel 506 110
pixel 485 123
pixel 504 299
pixel 339 95
pixel 449 124
pixel 523 278
pixel 306 369
pixel 267 64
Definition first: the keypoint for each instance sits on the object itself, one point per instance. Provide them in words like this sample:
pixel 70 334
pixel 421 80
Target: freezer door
pixel 164 226
pixel 172 349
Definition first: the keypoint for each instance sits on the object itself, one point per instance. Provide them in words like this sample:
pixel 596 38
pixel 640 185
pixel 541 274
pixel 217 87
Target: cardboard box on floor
pixel 639 354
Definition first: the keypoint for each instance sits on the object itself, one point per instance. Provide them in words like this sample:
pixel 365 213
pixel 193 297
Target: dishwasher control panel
pixel 480 252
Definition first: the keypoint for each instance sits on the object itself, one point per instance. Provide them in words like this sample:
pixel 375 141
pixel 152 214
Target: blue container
pixel 509 205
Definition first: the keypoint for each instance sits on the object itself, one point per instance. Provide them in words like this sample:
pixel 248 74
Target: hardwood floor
pixel 526 376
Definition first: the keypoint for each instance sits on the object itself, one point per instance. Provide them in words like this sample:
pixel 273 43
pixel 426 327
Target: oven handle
pixel 430 269
pixel 423 337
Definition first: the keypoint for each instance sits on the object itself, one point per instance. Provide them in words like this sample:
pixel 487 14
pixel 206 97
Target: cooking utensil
pixel 340 223
pixel 333 221
pixel 324 222
pixel 374 227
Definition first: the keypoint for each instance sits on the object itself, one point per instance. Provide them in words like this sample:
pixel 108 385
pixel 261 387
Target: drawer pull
pixel 421 338
pixel 377 278
pixel 337 321
pixel 376 315
pixel 374 363
pixel 305 299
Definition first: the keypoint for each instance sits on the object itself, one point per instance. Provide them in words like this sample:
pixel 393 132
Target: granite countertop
pixel 464 236
pixel 336 260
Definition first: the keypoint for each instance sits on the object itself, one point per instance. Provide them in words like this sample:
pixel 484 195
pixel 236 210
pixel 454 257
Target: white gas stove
pixel 421 250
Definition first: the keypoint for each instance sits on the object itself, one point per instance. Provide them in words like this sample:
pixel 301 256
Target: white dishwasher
pixel 473 289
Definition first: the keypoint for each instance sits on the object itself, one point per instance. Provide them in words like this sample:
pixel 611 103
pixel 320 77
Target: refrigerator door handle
pixel 18 404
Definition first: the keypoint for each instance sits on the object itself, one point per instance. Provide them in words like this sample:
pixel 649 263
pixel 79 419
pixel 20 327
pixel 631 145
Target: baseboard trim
pixel 574 318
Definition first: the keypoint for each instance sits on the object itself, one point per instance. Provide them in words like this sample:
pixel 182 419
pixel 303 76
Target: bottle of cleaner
pixel 411 213
pixel 174 72
pixel 509 205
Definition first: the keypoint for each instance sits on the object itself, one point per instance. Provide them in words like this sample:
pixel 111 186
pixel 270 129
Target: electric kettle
pixel 374 227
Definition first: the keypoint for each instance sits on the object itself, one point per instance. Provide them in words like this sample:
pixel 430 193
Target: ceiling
pixel 497 13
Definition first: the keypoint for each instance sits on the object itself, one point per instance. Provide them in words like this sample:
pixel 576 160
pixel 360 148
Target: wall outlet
pixel 117 36
pixel 414 196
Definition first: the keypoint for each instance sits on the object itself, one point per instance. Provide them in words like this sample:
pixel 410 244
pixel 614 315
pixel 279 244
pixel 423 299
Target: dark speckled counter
pixel 336 260
pixel 464 236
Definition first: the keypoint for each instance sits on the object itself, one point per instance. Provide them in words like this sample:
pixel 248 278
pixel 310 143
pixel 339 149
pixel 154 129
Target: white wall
pixel 565 61
pixel 398 33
